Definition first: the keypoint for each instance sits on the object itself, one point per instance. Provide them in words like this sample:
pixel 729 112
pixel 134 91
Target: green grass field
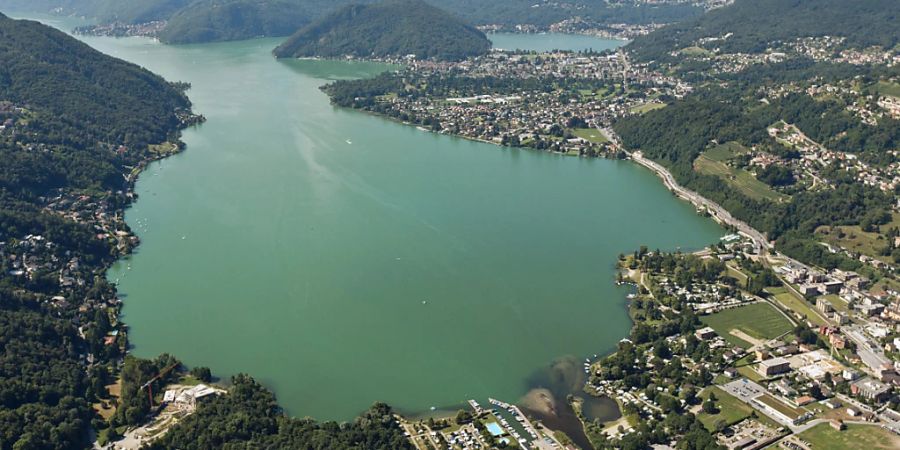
pixel 759 321
pixel 590 134
pixel 731 410
pixel 888 88
pixel 799 305
pixel 737 273
pixel 695 51
pixel 852 237
pixel 837 302
pixel 714 162
pixel 647 107
pixel 873 437
pixel 726 151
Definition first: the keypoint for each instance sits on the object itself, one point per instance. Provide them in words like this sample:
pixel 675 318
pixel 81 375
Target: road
pixel 719 213
pixel 873 357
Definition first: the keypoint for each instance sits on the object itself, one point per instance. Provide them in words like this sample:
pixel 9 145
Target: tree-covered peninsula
pixel 394 28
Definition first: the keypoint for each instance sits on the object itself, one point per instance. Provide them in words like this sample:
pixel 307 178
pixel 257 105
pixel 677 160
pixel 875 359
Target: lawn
pixel 823 437
pixel 759 320
pixel 590 134
pixel 837 302
pixel 750 373
pixel 798 305
pixel 713 162
pixel 731 410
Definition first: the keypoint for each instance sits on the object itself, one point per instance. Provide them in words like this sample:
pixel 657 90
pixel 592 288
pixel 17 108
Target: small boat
pixel 349 142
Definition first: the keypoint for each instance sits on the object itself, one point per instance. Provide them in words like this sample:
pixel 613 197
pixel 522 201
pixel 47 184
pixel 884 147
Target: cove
pixel 344 259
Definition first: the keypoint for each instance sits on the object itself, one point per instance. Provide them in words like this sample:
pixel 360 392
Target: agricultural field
pixel 759 321
pixel 823 437
pixel 590 135
pixel 715 162
pixel 798 305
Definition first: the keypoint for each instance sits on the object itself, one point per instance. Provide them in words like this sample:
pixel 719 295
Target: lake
pixel 343 259
pixel 545 42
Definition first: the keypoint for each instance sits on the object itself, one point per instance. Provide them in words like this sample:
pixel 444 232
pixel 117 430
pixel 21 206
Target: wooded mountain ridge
pixel 393 28
pixel 195 21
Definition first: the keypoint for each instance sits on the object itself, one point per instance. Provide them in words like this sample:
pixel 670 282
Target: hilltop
pixel 391 28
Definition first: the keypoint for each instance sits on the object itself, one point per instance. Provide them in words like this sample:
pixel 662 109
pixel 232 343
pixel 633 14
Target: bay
pixel 344 259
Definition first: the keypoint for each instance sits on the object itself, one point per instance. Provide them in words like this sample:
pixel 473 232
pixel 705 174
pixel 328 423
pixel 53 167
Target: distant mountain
pixel 750 26
pixel 223 20
pixel 195 21
pixel 105 11
pixel 390 28
pixel 227 20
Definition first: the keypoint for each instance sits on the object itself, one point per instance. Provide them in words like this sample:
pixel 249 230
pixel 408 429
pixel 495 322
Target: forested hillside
pixel 814 66
pixel 72 121
pixel 392 28
pixel 750 26
pixel 249 417
pixel 208 21
pixel 225 20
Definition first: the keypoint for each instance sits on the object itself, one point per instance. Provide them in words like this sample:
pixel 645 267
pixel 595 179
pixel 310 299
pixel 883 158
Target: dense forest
pixel 249 417
pixel 389 29
pixel 753 25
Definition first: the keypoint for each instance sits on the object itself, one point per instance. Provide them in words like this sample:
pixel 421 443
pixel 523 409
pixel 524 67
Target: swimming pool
pixel 494 428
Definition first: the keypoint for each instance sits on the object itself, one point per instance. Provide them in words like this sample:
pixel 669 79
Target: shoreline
pixel 603 155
